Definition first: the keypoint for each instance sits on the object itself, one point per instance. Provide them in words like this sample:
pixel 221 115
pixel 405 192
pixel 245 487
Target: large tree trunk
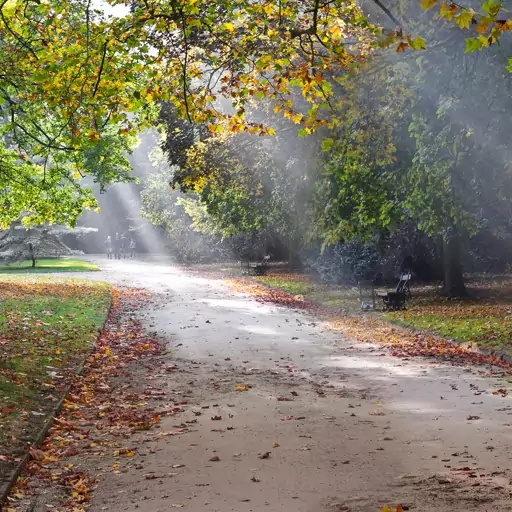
pixel 453 277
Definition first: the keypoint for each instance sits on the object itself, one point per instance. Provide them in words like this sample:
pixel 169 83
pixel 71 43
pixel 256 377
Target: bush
pixel 381 259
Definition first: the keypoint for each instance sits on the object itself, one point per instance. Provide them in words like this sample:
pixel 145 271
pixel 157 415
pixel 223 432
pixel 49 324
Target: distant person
pixel 133 246
pixel 108 247
pixel 117 246
pixel 122 246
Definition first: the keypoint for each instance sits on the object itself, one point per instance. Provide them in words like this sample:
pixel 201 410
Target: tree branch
pixel 314 26
pixel 388 13
pixel 97 84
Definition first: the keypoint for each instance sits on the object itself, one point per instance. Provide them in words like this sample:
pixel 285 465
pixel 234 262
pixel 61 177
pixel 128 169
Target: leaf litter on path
pixel 401 341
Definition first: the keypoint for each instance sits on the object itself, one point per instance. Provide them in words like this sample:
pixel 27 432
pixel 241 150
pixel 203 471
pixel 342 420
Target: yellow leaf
pixel 271 131
pixel 297 118
pixel 9 8
pixel 242 388
pixel 464 18
pixel 428 4
pixel 76 176
pixel 229 26
pixel 335 31
pixel 418 44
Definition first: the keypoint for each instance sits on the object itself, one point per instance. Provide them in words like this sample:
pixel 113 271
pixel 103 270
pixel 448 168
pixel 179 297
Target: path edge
pixel 501 354
pixel 7 485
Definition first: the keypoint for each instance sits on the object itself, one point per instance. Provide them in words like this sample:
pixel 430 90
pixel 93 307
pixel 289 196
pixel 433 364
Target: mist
pixel 288 196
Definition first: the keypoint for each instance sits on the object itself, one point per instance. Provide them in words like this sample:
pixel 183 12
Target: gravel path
pixel 324 425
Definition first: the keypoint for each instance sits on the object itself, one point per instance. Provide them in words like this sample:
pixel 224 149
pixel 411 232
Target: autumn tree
pixel 77 83
pixel 445 166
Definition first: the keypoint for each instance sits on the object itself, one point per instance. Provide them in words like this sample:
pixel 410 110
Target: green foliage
pixel 76 83
pixel 181 217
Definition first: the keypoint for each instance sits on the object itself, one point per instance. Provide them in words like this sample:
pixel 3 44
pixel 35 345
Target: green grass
pixel 47 326
pixel 289 284
pixel 334 297
pixel 485 325
pixel 47 265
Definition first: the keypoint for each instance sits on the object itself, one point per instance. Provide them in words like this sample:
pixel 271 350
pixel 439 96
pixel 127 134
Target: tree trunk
pixel 453 277
pixel 32 256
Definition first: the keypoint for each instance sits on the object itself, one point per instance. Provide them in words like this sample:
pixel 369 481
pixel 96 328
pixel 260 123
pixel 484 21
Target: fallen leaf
pixel 215 458
pixel 276 445
pixel 242 388
pixel 37 454
pixel 473 418
pixel 254 479
pixel 216 418
pixel 265 455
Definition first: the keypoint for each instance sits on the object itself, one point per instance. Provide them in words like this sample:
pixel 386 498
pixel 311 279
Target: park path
pixel 326 424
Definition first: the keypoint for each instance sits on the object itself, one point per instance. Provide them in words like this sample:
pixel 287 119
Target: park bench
pixel 395 300
pixel 254 269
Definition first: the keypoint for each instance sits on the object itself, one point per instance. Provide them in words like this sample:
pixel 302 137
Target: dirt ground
pixel 318 423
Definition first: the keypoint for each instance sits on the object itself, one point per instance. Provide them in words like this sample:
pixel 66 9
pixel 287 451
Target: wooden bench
pixel 395 301
pixel 255 269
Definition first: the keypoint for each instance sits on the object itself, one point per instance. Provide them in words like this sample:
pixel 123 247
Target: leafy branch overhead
pixel 78 83
pixel 489 23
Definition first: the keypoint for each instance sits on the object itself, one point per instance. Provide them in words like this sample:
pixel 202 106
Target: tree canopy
pixel 77 81
pixel 380 88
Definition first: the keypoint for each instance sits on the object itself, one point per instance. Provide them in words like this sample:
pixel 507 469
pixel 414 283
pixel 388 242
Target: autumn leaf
pixel 426 4
pixel 402 46
pixel 418 44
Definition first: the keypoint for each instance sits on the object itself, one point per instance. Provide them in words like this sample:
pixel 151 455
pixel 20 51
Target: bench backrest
pixel 403 283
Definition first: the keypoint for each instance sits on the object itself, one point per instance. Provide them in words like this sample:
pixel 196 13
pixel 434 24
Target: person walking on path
pixel 117 247
pixel 133 246
pixel 108 247
pixel 122 246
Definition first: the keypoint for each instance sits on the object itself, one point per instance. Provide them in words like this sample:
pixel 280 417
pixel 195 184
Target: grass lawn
pixel 46 265
pixel 47 326
pixel 485 321
pixel 484 324
pixel 345 298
